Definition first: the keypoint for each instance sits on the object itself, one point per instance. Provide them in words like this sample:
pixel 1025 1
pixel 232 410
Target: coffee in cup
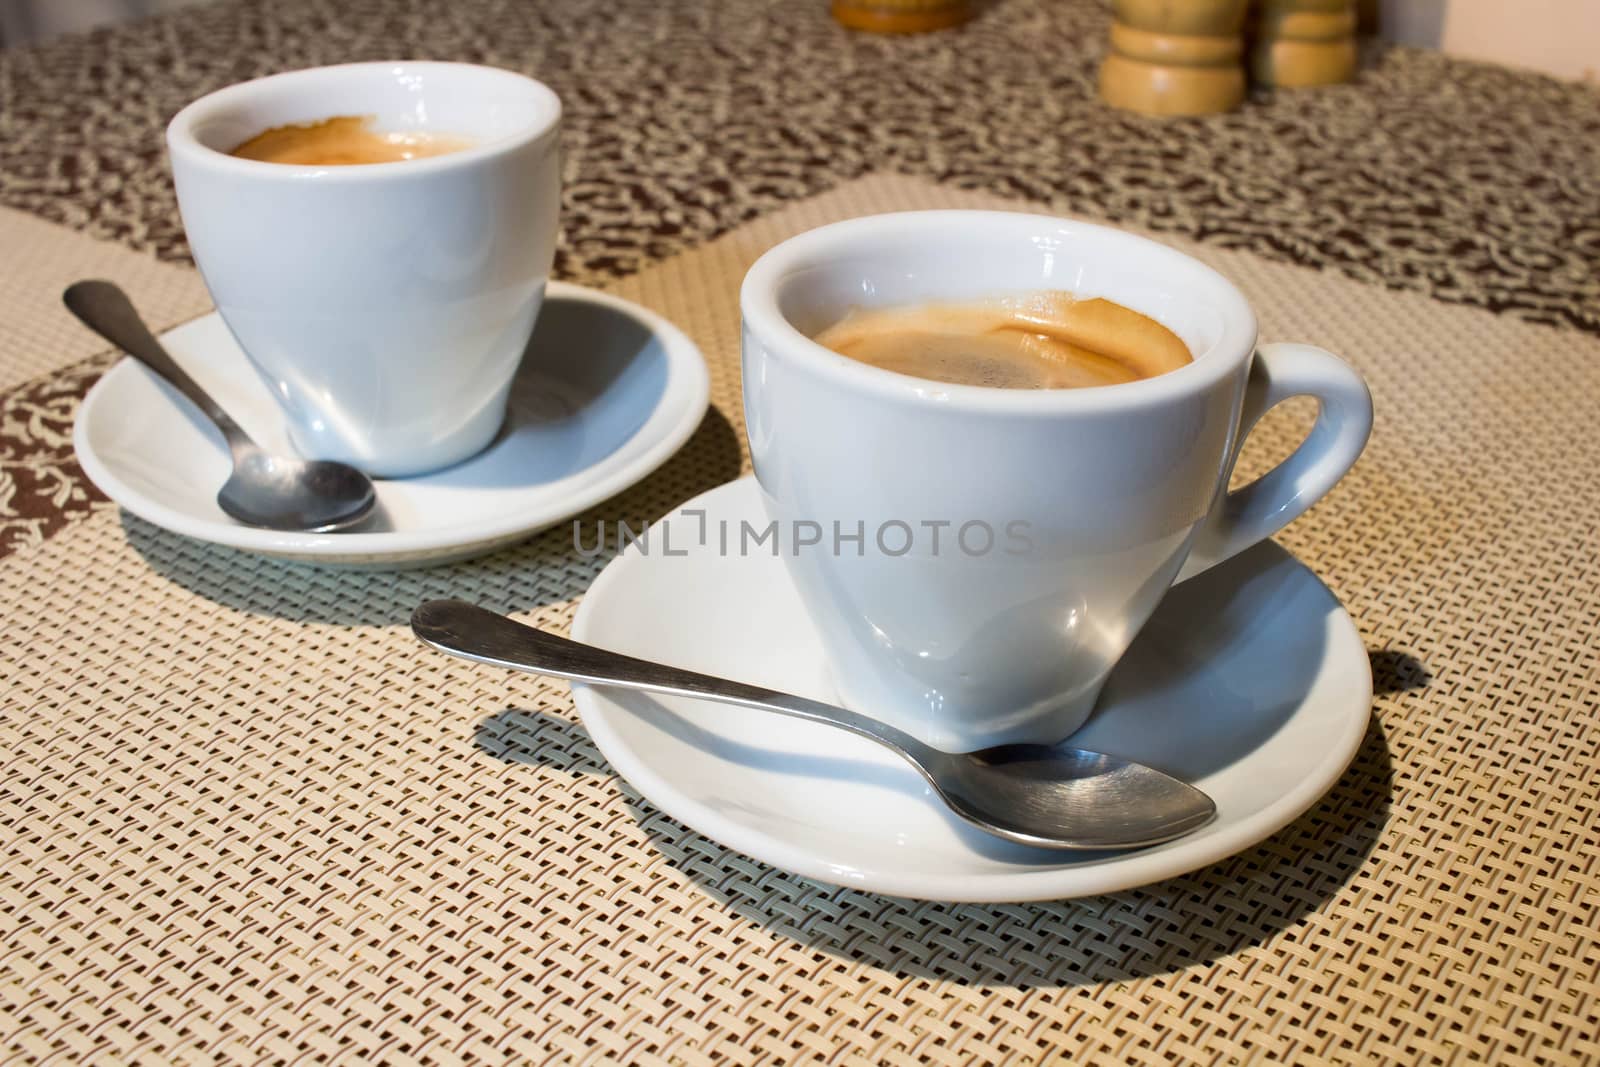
pixel 344 140
pixel 1040 340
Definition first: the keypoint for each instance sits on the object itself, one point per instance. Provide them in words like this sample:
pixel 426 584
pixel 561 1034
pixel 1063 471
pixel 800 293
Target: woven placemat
pixel 36 336
pixel 246 816
pixel 48 361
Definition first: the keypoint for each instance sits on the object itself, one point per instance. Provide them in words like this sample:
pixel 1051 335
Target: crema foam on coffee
pixel 343 141
pixel 1040 340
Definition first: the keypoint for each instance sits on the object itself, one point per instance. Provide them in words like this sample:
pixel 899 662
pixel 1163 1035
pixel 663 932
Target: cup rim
pixel 181 139
pixel 758 302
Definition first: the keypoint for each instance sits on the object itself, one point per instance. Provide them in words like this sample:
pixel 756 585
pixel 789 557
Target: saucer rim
pixel 685 398
pixel 1114 874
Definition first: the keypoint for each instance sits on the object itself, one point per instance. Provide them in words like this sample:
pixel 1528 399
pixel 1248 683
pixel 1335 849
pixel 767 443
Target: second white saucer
pixel 608 392
pixel 1250 681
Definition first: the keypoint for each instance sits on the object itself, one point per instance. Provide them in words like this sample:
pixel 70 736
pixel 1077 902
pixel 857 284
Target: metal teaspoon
pixel 1046 796
pixel 277 492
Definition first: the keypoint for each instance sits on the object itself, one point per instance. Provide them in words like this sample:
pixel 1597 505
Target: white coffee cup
pixel 1096 500
pixel 387 305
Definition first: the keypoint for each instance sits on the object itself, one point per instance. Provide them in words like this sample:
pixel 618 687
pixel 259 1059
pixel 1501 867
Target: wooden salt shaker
pixel 1304 42
pixel 1175 57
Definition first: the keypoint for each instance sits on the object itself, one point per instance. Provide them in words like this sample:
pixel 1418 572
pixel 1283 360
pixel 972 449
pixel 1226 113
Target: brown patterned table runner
pixel 48 361
pixel 245 816
pixel 685 118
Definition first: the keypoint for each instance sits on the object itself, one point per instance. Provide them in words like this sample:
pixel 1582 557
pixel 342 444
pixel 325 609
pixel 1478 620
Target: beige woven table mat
pixel 35 337
pixel 247 817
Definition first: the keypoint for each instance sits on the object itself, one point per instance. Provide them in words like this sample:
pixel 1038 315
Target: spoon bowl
pixel 1052 796
pixel 281 493
pixel 276 492
pixel 1048 796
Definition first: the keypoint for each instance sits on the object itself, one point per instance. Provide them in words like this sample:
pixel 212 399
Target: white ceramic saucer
pixel 607 392
pixel 1250 681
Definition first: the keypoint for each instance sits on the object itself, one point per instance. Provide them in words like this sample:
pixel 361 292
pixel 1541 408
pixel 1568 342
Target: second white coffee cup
pixel 976 560
pixel 386 305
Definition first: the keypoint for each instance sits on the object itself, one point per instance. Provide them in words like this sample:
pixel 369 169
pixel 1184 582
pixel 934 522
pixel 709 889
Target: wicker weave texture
pixel 245 816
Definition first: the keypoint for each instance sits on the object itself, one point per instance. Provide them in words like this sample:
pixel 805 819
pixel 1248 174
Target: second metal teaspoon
pixel 1047 796
pixel 277 492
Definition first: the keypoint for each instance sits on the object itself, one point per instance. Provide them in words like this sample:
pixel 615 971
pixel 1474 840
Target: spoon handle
pixel 476 633
pixel 106 309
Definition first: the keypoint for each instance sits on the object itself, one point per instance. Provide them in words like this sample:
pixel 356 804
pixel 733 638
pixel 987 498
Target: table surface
pixel 1441 902
pixel 1466 181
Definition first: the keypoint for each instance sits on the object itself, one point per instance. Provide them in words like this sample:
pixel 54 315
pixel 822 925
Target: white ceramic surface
pixel 386 304
pixel 1249 681
pixel 610 392
pixel 984 638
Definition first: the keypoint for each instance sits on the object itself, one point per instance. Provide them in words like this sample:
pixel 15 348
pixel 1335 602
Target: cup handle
pixel 1344 421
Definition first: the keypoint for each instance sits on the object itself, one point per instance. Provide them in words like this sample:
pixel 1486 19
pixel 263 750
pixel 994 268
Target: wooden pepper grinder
pixel 901 16
pixel 1175 57
pixel 1304 42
